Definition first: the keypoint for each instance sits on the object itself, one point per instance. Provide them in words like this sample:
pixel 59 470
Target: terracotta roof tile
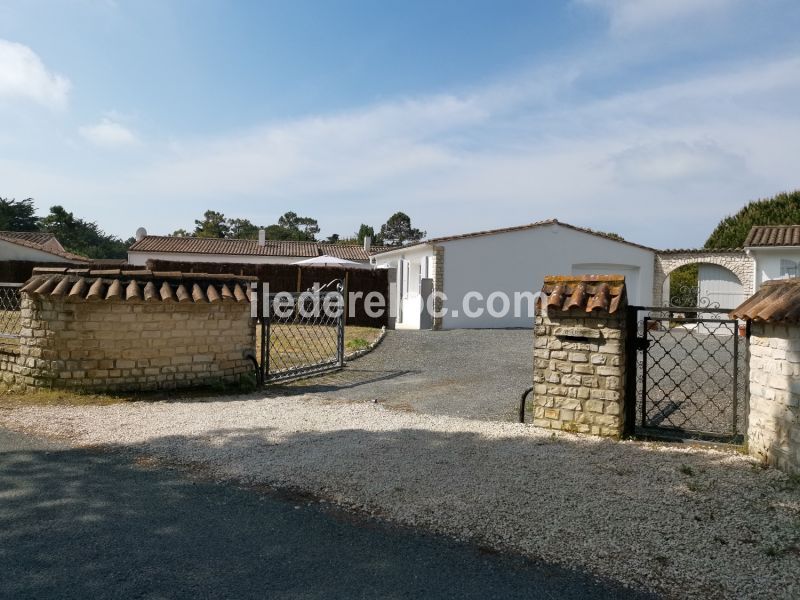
pixel 350 251
pixel 193 245
pixel 777 301
pixel 597 294
pixel 773 235
pixel 137 286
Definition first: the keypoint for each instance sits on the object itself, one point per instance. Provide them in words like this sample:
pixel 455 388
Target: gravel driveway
pixel 683 521
pixel 471 373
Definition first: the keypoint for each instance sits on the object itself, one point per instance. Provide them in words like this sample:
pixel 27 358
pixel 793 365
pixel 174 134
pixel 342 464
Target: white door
pixel 719 287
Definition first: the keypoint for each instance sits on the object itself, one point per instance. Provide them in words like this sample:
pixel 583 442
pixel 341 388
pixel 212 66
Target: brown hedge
pixel 293 278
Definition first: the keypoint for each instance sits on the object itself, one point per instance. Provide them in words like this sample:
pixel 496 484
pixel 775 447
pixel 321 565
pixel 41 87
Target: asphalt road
pixel 80 524
pixel 470 373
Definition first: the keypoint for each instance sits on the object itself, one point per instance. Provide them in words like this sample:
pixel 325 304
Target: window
pixel 788 268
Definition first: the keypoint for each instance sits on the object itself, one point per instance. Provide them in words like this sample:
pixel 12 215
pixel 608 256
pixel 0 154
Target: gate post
pixel 631 333
pixel 579 368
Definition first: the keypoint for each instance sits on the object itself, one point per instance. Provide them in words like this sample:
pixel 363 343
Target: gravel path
pixel 85 524
pixel 472 373
pixel 685 522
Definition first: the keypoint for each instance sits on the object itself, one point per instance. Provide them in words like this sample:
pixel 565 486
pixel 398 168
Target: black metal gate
pixel 301 333
pixel 691 373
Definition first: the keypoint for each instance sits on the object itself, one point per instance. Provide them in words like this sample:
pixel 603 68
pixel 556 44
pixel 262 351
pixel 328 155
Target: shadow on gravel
pixel 79 524
pixel 652 514
pixel 346 379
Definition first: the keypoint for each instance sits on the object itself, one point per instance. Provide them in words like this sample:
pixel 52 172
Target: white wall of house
pixel 775 263
pixel 412 264
pixel 141 258
pixel 9 251
pixel 518 261
pixel 513 262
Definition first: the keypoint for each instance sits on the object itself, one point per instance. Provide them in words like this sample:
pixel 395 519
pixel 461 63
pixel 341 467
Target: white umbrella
pixel 331 261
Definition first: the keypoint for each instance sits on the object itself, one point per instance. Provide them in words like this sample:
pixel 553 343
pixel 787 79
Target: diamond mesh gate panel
pixel 10 316
pixel 692 373
pixel 303 333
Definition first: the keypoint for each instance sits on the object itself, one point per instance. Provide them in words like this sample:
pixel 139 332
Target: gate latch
pixel 642 343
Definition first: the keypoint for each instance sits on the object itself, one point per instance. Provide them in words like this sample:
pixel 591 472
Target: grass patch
pixel 43 397
pixel 357 344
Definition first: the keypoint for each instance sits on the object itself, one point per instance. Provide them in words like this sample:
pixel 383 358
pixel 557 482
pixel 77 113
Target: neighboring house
pixel 261 251
pixel 775 250
pixel 35 246
pixel 511 260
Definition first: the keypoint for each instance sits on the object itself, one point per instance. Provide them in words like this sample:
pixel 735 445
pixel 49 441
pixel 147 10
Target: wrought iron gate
pixel 301 333
pixel 691 373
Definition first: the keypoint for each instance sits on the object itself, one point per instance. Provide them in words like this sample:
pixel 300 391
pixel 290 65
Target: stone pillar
pixel 773 423
pixel 774 420
pixel 579 355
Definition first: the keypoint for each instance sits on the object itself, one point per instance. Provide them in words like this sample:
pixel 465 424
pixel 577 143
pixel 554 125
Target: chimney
pixel 367 243
pixel 262 237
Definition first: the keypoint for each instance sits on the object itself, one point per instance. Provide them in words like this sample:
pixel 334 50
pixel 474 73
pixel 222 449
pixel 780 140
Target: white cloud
pixel 24 75
pixel 533 146
pixel 632 15
pixel 109 133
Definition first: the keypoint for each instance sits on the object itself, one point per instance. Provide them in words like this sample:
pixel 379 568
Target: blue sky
pixel 649 118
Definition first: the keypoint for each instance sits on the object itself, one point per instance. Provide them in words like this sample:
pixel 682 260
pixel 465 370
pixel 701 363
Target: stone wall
pixel 774 421
pixel 579 372
pixel 736 261
pixel 127 345
pixel 438 285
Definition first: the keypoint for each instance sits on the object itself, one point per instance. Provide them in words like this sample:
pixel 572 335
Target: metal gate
pixel 301 333
pixel 691 373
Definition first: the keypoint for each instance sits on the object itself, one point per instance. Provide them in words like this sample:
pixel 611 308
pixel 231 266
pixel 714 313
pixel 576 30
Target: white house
pixel 512 261
pixel 34 246
pixel 261 251
pixel 776 252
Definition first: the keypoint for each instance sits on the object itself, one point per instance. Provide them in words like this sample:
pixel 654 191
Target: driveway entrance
pixel 471 373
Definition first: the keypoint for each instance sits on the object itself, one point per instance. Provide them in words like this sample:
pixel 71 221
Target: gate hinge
pixel 642 343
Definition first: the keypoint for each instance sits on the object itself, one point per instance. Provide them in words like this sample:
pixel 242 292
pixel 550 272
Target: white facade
pixel 11 251
pixel 513 262
pixel 775 263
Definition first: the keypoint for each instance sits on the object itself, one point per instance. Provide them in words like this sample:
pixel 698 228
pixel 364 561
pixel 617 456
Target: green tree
pixel 242 229
pixel 398 231
pixel 18 215
pixel 365 231
pixel 82 237
pixel 333 238
pixel 683 283
pixel 782 209
pixel 181 233
pixel 212 225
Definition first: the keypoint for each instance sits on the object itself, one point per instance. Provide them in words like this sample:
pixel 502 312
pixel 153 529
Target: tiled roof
pixel 20 239
pixel 193 245
pixel 702 251
pixel 773 235
pixel 777 301
pixel 598 294
pixel 535 225
pixel 349 251
pixel 37 237
pixel 80 285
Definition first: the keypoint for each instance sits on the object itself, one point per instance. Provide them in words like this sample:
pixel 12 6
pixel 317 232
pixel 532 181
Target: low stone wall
pixel 774 422
pixel 107 334
pixel 579 355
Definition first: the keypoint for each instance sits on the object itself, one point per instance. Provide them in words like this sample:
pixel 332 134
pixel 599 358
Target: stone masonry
pixel 120 343
pixel 734 260
pixel 774 423
pixel 438 284
pixel 579 355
